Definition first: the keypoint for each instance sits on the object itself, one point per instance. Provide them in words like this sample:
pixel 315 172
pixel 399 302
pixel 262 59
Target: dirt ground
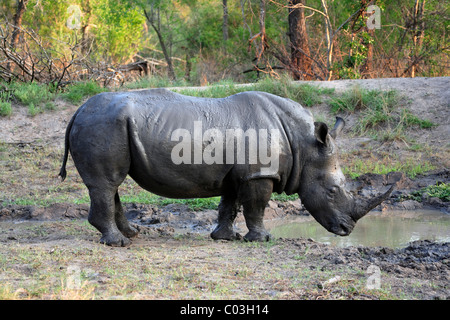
pixel 49 251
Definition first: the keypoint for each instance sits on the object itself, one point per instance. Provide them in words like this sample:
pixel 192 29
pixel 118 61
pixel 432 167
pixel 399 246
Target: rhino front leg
pixel 228 209
pixel 255 195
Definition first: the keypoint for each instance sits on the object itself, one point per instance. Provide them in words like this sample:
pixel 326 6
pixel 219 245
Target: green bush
pixel 5 104
pixel 5 108
pixel 439 190
pixel 32 95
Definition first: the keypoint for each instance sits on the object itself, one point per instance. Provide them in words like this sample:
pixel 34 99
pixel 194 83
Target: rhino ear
pixel 321 132
pixel 339 125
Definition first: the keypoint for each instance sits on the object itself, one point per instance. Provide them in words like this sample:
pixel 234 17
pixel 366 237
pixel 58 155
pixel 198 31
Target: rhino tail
pixel 62 171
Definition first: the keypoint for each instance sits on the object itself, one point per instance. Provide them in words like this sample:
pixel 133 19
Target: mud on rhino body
pixel 132 133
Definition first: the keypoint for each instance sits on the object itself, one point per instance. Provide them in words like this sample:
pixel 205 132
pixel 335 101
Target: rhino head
pixel 322 189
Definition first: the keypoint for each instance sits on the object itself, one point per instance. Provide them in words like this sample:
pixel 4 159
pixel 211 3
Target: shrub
pixel 439 190
pixel 32 93
pixel 5 108
pixel 5 104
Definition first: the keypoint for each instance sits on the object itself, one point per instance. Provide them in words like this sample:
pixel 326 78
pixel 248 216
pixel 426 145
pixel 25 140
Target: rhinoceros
pixel 242 148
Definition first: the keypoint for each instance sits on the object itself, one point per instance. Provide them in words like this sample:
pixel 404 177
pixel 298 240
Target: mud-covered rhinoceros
pixel 242 148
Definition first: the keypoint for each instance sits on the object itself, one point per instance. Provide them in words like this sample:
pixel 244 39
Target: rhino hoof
pixel 225 234
pixel 115 240
pixel 257 236
pixel 130 232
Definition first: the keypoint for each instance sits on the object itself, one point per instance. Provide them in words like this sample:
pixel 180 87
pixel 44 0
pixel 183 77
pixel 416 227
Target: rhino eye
pixel 333 190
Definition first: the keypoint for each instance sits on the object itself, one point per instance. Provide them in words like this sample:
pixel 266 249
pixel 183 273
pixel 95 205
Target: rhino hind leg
pixel 102 217
pixel 228 209
pixel 121 221
pixel 254 196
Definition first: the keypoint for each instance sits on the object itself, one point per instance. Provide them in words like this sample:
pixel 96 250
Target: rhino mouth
pixel 336 223
pixel 342 229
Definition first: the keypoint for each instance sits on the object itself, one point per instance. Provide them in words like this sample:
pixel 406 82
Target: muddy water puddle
pixel 394 229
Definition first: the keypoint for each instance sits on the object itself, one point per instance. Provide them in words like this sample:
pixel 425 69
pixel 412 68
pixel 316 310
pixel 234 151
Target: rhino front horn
pixel 364 206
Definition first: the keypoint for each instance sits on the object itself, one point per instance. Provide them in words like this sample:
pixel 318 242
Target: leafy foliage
pixel 439 190
pixel 118 32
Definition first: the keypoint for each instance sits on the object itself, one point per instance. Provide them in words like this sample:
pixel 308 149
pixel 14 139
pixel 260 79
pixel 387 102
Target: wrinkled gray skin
pixel 118 134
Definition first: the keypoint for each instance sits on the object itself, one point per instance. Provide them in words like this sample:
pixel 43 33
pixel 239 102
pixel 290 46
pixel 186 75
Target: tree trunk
pixel 299 44
pixel 21 7
pixel 187 71
pixel 225 25
pixel 367 68
pixel 418 30
pixel 18 16
pixel 85 28
pixel 156 26
pixel 262 28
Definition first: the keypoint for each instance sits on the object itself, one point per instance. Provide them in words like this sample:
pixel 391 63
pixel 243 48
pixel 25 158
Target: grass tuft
pixel 379 115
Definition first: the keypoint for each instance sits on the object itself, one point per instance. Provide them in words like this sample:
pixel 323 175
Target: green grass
pixel 376 106
pixel 196 204
pixel 410 168
pixel 5 104
pixel 397 124
pixel 75 93
pixel 305 94
pixel 40 97
pixel 5 108
pixel 145 197
pixel 411 120
pixel 358 98
pixel 33 95
pixel 154 82
pixel 283 197
pixel 379 113
pixel 439 190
